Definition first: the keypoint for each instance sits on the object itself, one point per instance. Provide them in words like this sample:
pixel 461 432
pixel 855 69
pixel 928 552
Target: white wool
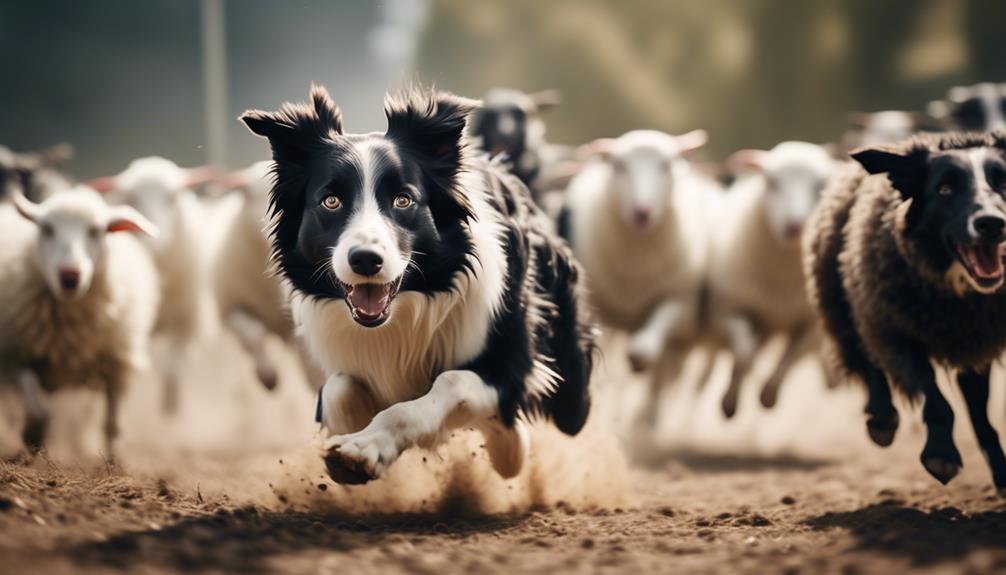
pixel 629 273
pixel 106 329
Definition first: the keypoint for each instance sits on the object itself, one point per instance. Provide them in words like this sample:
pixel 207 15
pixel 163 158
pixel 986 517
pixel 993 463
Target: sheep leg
pixel 177 356
pixel 667 368
pixel 113 394
pixel 801 341
pixel 882 417
pixel 458 398
pixel 36 411
pixel 649 342
pixel 745 340
pixel 940 457
pixel 252 335
pixel 975 387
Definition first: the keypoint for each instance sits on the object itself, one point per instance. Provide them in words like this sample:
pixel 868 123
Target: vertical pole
pixel 214 35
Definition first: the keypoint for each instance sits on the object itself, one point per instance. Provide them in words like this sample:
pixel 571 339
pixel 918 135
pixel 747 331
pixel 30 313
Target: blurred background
pixel 122 79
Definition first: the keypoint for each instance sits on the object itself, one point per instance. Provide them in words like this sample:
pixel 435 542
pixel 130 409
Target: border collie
pixel 426 283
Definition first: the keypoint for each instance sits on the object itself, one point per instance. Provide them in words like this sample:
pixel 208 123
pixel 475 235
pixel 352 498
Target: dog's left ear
pixel 431 126
pixel 905 169
pixel 295 128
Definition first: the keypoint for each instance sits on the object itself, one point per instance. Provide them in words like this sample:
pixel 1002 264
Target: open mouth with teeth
pixel 370 303
pixel 983 262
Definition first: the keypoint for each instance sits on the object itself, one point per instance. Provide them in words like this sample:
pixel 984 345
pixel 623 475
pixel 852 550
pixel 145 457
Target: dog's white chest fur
pixel 426 333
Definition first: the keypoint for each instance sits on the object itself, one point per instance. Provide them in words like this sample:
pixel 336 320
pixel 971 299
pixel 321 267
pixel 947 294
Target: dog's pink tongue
pixel 370 299
pixel 988 261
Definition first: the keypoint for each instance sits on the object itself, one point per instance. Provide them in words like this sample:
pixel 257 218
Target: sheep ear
pixel 938 109
pixel 747 161
pixel 127 219
pixel 546 100
pixel 102 185
pixel 293 129
pixel 691 141
pixel 201 175
pixel 858 120
pixel 878 160
pixel 600 147
pixel 27 208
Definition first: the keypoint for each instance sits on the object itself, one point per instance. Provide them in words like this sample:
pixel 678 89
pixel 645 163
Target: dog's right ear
pixel 905 170
pixel 295 128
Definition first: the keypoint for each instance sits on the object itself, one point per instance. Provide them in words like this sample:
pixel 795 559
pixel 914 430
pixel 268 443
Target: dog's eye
pixel 946 190
pixel 331 203
pixel 402 201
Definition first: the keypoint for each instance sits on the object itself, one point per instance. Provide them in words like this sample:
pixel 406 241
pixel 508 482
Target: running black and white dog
pixel 425 282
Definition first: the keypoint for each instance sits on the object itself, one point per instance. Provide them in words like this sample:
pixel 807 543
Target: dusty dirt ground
pixel 233 484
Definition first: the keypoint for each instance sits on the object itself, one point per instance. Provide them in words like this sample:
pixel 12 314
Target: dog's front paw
pixel 360 457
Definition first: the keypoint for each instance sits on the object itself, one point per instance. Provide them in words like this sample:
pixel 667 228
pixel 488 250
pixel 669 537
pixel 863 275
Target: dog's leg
pixel 910 369
pixel 456 399
pixel 344 405
pixel 36 411
pixel 801 341
pixel 252 335
pixel 648 343
pixel 507 447
pixel 745 341
pixel 975 387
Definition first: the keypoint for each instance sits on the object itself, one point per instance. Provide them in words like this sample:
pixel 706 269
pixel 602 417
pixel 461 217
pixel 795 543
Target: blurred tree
pixel 753 72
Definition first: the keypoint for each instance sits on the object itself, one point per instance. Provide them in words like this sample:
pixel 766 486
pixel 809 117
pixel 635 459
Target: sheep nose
pixel 365 261
pixel 792 230
pixel 990 227
pixel 69 278
pixel 642 217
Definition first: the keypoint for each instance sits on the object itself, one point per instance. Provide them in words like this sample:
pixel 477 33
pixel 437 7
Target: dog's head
pixel 364 216
pixel 957 188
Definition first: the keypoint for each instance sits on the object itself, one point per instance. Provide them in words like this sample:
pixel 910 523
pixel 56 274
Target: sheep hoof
pixel 769 396
pixel 729 407
pixel 941 468
pixel 344 470
pixel 268 377
pixel 882 429
pixel 33 436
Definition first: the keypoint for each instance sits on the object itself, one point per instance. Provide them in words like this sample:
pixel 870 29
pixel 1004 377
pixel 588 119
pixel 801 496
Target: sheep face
pixel 957 214
pixel 507 123
pixel 643 169
pixel 72 226
pixel 978 108
pixel 794 174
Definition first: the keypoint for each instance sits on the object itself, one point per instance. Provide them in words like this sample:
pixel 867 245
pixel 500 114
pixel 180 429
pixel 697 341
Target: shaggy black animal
pixel 906 266
pixel 422 273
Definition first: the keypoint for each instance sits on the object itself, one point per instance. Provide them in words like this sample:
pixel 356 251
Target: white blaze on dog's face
pixel 644 165
pixel 795 174
pixel 72 226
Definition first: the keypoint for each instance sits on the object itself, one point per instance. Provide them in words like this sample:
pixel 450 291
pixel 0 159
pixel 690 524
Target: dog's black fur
pixel 424 149
pixel 885 268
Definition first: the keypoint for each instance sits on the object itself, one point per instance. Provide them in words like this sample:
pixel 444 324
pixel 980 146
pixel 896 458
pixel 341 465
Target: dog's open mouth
pixel 984 263
pixel 369 303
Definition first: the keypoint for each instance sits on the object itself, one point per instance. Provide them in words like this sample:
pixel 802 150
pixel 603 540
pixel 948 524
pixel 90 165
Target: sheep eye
pixel 47 230
pixel 402 201
pixel 945 190
pixel 331 203
pixel 92 232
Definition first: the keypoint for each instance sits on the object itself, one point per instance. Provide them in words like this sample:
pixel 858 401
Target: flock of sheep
pixel 677 253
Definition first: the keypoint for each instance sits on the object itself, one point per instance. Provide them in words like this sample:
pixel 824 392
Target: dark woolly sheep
pixel 905 267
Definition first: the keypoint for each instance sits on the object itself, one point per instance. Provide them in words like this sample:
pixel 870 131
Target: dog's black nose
pixel 365 261
pixel 990 226
pixel 69 279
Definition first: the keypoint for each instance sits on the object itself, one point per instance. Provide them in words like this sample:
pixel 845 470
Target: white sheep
pixel 251 299
pixel 78 300
pixel 755 277
pixel 634 216
pixel 161 190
